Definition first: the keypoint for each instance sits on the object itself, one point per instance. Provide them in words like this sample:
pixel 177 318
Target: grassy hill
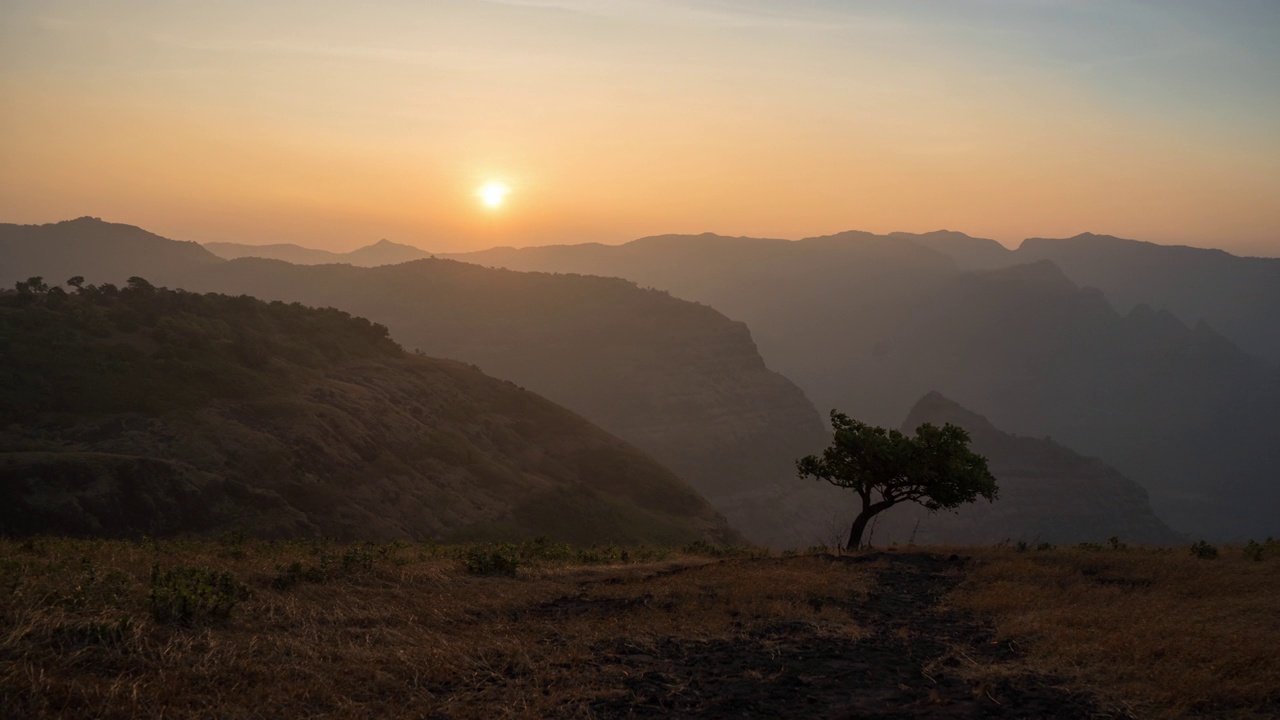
pixel 141 410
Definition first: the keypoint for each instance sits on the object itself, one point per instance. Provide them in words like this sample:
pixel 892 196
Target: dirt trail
pixel 914 661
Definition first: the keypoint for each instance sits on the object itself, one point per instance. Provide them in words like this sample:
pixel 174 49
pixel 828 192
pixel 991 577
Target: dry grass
pixel 332 630
pixel 370 631
pixel 1162 632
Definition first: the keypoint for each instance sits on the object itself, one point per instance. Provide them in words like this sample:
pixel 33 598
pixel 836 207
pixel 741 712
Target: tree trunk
pixel 864 517
pixel 859 526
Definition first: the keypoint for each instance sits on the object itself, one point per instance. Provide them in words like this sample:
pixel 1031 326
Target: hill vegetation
pixel 141 410
pixel 676 379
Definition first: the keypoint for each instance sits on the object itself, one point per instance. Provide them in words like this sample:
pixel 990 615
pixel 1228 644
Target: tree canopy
pixel 935 468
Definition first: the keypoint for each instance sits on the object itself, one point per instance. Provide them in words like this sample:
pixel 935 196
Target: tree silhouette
pixel 935 468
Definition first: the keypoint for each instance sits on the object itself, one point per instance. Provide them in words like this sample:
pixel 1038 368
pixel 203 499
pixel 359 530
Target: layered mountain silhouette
pixel 383 252
pixel 1048 493
pixel 145 411
pixel 1238 296
pixel 674 378
pixel 110 252
pixel 863 323
pixel 868 324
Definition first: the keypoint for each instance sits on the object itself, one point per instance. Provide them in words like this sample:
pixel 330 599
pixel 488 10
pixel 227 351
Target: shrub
pixel 1253 551
pixel 501 560
pixel 1204 550
pixel 194 595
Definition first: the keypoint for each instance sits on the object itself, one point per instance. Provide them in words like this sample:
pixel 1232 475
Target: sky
pixel 333 125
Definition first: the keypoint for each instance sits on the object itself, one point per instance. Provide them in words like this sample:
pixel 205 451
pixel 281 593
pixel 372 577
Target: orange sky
pixel 333 126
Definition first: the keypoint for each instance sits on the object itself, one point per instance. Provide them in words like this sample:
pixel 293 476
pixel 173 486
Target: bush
pixel 501 560
pixel 1253 551
pixel 194 595
pixel 1204 550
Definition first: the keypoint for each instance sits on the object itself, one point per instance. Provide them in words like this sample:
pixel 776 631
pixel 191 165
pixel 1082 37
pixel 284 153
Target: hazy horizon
pixel 332 127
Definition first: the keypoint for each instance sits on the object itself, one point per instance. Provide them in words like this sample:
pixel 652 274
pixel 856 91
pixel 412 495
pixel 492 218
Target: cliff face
pixel 674 378
pixel 210 413
pixel 1048 493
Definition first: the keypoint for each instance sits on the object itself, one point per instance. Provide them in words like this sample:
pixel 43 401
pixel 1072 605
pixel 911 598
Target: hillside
pixel 146 411
pixel 383 252
pixel 1048 493
pixel 1180 410
pixel 868 324
pixel 676 379
pixel 112 251
pixel 1238 296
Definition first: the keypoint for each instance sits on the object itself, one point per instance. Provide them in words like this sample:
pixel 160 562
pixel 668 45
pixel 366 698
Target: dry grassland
pixel 371 631
pixel 120 629
pixel 1162 632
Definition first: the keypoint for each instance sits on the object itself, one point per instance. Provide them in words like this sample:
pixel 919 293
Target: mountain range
pixel 869 323
pixel 864 323
pixel 383 252
pixel 1048 493
pixel 674 378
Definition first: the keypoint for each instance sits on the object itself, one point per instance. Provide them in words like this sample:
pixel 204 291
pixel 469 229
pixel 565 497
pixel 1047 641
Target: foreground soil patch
pixel 904 665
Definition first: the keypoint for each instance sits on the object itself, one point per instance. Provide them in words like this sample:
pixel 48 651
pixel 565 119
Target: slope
pixel 113 251
pixel 383 252
pixel 1238 296
pixel 1048 493
pixel 868 324
pixel 150 411
pixel 676 379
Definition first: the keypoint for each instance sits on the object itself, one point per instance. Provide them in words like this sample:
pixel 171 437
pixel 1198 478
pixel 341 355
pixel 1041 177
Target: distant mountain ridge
pixel 113 251
pixel 868 324
pixel 143 411
pixel 674 378
pixel 864 323
pixel 1048 493
pixel 383 252
pixel 1238 296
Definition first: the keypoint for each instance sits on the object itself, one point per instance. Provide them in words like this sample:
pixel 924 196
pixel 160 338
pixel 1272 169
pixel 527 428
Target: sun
pixel 493 193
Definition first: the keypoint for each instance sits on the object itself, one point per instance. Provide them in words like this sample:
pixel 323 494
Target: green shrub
pixel 194 595
pixel 501 560
pixel 1204 550
pixel 1253 551
pixel 541 548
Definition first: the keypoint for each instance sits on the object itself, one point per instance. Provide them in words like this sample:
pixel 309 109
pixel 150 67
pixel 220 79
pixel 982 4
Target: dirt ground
pixel 916 660
pixel 325 630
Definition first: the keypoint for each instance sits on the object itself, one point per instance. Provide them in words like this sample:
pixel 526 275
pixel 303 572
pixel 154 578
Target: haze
pixel 332 125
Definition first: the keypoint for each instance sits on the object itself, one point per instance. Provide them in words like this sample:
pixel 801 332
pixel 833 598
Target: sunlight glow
pixel 493 193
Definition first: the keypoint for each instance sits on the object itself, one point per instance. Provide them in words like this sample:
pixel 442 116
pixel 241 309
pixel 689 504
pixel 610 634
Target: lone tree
pixel 935 468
